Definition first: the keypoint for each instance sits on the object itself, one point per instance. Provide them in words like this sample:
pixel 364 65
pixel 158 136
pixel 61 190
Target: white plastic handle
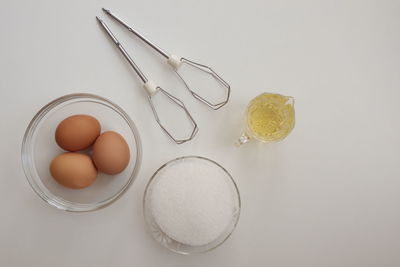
pixel 151 88
pixel 174 61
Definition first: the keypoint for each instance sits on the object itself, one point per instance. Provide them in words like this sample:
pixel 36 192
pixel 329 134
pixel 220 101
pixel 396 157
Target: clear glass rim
pixel 250 133
pixel 237 194
pixel 29 169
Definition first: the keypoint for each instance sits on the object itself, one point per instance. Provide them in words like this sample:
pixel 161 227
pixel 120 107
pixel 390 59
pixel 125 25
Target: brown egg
pixel 73 170
pixel 77 132
pixel 111 153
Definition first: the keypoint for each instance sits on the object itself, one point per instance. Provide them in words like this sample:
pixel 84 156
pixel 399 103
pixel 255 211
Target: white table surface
pixel 329 195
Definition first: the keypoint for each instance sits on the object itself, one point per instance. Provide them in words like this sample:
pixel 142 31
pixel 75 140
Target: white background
pixel 329 195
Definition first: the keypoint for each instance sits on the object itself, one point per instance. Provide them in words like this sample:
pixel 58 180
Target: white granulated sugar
pixel 193 201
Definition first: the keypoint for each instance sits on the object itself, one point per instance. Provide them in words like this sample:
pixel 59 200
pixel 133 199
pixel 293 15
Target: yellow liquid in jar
pixel 270 117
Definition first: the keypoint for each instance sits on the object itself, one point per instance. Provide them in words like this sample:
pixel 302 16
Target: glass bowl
pixel 39 148
pixel 174 245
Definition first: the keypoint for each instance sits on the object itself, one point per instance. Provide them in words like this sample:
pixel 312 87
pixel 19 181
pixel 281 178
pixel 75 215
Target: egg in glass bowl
pixel 39 148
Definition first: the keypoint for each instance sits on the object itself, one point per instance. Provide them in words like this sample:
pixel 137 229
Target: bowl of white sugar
pixel 191 205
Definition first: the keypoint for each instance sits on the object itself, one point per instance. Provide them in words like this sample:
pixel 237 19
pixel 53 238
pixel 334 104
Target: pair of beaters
pixel 176 63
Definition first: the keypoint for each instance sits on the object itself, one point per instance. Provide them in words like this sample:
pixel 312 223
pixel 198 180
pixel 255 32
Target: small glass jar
pixel 268 118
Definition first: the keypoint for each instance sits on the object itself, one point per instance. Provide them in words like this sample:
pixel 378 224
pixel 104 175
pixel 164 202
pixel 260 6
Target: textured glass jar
pixel 168 242
pixel 268 118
